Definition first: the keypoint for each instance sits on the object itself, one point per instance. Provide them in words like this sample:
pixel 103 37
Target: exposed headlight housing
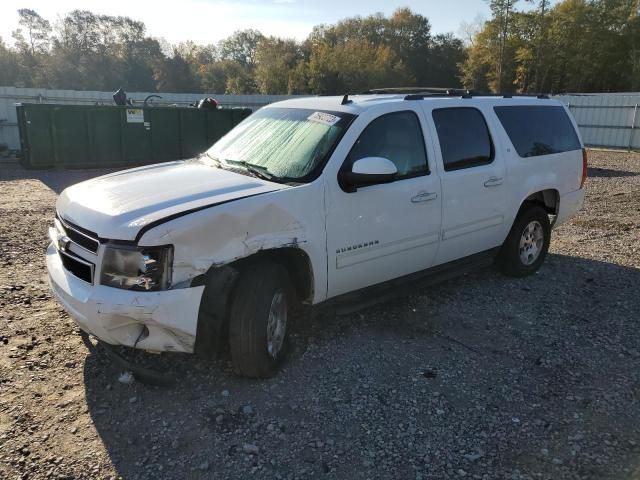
pixel 137 268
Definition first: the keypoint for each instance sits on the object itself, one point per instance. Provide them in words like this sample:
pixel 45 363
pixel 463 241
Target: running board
pixel 398 287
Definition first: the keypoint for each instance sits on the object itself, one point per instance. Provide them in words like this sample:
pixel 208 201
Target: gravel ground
pixel 481 377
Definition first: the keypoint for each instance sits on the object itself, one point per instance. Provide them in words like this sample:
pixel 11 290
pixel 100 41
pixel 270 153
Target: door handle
pixel 424 197
pixel 493 182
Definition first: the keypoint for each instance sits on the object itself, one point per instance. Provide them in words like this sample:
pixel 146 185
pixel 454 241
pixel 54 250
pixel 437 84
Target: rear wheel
pixel 526 247
pixel 259 318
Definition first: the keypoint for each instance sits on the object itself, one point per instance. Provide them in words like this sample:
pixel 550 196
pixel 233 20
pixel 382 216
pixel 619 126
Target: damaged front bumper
pixel 154 321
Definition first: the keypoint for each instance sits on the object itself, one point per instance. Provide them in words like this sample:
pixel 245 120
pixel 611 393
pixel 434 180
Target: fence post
pixel 633 126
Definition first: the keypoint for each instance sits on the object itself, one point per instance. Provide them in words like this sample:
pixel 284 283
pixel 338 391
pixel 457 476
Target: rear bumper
pixel 118 316
pixel 570 204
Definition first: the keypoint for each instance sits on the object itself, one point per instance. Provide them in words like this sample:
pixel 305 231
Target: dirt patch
pixel 480 377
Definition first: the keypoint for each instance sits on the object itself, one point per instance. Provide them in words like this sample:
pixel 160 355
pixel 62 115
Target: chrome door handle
pixel 424 197
pixel 493 182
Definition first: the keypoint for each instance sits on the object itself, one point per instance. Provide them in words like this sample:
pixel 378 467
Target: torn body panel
pixel 226 233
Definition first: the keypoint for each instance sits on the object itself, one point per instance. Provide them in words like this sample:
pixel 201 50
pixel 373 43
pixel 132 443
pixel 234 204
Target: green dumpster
pixel 84 136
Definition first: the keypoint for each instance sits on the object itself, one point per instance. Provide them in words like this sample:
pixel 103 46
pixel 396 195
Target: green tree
pixel 572 45
pixel 241 47
pixel 215 75
pixel 409 37
pixel 33 41
pixel 479 70
pixel 298 79
pixel 542 44
pixel 576 45
pixel 9 67
pixel 34 33
pixel 175 74
pixel 241 83
pixel 446 54
pixel 276 60
pixel 138 62
pixel 502 11
pixel 354 66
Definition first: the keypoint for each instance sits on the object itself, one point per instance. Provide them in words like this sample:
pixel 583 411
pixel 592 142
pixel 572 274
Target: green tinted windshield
pixel 291 143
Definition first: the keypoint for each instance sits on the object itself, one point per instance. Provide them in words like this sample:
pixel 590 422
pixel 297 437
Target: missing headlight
pixel 137 268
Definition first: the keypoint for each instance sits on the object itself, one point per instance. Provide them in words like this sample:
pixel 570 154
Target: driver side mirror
pixel 369 171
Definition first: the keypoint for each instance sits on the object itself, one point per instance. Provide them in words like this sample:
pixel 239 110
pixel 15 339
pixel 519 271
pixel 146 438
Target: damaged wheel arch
pixel 219 282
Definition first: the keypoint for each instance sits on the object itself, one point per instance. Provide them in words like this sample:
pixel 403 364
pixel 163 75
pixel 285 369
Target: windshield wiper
pixel 256 170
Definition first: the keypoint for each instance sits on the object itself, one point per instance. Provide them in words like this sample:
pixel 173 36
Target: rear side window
pixel 538 130
pixel 464 137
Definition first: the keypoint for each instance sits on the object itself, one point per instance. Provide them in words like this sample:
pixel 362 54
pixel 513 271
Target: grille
pixel 86 239
pixel 77 266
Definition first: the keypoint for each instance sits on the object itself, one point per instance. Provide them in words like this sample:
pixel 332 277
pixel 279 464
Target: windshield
pixel 286 143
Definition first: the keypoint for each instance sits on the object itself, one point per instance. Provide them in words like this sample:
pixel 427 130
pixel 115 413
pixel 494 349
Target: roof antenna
pixel 345 100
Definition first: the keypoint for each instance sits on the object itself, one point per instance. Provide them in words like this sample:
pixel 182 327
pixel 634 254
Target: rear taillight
pixel 584 167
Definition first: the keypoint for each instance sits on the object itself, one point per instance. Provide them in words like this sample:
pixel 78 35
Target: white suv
pixel 311 200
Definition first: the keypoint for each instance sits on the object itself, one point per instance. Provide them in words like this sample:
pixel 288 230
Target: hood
pixel 118 205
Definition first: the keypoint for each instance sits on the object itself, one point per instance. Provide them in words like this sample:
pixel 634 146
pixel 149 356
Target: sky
pixel 208 21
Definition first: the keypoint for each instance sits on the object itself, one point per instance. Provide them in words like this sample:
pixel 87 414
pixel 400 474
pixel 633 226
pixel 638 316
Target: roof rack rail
pixel 415 91
pixel 448 93
pixel 470 94
pixel 420 93
pixel 543 96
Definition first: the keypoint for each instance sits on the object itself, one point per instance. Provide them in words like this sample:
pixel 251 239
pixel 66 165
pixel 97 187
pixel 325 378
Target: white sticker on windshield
pixel 324 118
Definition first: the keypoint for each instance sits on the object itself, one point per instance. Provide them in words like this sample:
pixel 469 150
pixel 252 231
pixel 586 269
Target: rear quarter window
pixel 538 130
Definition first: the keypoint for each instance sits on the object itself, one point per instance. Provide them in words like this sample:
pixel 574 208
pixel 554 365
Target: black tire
pixel 509 260
pixel 251 303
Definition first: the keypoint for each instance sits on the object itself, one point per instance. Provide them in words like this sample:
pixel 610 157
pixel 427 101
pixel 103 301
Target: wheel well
pixel 220 281
pixel 548 199
pixel 295 261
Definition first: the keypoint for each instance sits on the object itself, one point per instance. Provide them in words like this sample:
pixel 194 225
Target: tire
pixel 263 289
pixel 523 252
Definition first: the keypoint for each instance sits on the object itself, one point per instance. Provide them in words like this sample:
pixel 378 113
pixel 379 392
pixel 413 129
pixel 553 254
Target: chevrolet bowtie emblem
pixel 59 239
pixel 63 243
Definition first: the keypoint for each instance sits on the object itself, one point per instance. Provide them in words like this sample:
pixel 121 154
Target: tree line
pixel 572 46
pixel 86 51
pixel 526 46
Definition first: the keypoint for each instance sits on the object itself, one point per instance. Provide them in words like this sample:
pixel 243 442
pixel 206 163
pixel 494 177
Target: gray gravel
pixel 481 377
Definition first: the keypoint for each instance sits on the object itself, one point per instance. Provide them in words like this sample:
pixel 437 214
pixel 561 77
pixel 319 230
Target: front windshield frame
pixel 346 120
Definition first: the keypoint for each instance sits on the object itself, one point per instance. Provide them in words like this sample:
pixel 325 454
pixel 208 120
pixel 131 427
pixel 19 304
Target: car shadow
pixel 608 172
pixel 190 430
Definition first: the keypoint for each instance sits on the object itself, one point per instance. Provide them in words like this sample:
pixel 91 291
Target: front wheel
pixel 259 317
pixel 526 247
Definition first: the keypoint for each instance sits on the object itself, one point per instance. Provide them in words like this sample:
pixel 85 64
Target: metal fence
pixel 605 120
pixel 9 96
